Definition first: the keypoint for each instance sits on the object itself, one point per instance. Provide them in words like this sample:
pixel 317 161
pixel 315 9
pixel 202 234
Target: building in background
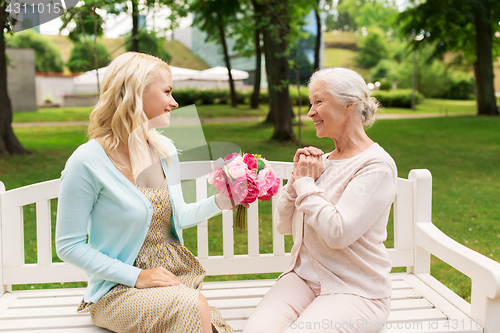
pixel 210 52
pixel 21 79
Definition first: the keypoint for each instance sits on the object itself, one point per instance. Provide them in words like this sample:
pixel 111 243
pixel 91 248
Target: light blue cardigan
pixel 97 200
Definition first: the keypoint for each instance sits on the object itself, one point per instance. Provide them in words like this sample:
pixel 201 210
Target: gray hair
pixel 348 86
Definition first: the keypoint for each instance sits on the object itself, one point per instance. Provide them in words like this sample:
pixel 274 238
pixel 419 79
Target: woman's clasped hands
pixel 308 162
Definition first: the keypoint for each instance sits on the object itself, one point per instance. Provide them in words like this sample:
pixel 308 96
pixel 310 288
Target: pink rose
pixel 230 157
pixel 221 183
pixel 245 189
pixel 238 170
pixel 265 180
pixel 250 161
pixel 212 177
pixel 272 191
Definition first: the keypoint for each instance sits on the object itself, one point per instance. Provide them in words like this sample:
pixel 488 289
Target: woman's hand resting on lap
pixel 156 277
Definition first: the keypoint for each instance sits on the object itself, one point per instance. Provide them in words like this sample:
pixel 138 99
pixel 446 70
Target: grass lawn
pixel 337 57
pixel 442 106
pixel 429 105
pixel 463 154
pixel 344 38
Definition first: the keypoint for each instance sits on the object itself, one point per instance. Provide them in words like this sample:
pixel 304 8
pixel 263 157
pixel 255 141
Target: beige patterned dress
pixel 161 309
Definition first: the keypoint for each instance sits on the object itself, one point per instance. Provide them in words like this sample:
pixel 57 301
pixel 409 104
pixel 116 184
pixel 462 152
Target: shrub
pixel 82 59
pixel 294 95
pixel 186 96
pixel 434 79
pixel 385 85
pixel 151 44
pixel 400 98
pixel 373 49
pixel 459 87
pixel 47 55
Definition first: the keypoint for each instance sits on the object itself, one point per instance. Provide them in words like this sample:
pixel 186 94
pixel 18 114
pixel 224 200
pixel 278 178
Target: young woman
pixel 336 206
pixel 121 209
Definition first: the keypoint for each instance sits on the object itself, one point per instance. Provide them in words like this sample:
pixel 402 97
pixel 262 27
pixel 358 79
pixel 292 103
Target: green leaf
pixel 260 165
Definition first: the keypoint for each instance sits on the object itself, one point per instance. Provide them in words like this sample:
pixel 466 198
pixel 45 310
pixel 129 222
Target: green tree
pixel 373 49
pixel 341 19
pixel 465 27
pixel 82 59
pixel 355 14
pixel 87 23
pixel 47 55
pixel 9 144
pixel 247 37
pixel 214 17
pixel 178 9
pixel 280 21
pixel 150 43
pixel 434 77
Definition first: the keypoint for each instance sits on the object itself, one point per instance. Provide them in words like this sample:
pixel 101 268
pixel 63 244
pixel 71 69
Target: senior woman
pixel 336 206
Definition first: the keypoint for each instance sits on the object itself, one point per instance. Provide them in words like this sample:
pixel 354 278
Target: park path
pixel 237 119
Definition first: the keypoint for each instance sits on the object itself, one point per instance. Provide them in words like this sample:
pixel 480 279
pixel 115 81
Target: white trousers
pixel 294 305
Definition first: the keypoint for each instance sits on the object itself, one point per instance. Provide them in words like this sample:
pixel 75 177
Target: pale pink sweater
pixel 342 218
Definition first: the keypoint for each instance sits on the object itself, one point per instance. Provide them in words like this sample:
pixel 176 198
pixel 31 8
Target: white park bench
pixel 420 303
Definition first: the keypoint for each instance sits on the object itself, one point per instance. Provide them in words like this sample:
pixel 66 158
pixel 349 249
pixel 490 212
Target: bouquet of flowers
pixel 244 180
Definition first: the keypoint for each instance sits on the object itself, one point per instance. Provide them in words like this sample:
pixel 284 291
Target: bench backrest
pixel 14 270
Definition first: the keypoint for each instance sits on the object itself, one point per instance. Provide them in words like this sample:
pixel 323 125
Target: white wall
pixel 54 87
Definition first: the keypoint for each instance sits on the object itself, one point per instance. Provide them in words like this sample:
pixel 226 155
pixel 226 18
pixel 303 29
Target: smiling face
pixel 328 114
pixel 157 98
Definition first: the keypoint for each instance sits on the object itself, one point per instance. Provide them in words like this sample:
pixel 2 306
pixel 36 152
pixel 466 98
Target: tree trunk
pixel 317 47
pixel 234 100
pixel 277 68
pixel 9 144
pixel 96 60
pixel 270 87
pixel 135 26
pixel 254 101
pixel 483 68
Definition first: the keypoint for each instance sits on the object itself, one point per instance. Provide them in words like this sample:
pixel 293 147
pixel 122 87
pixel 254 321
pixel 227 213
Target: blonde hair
pixel 119 115
pixel 348 85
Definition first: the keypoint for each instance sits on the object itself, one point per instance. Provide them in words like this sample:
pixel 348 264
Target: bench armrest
pixel 483 271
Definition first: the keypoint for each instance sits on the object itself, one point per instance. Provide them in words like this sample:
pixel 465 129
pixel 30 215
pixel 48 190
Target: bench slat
pixel 41 293
pixel 26 313
pixel 253 229
pixel 244 264
pixel 407 304
pixel 412 315
pixel 432 326
pixel 278 239
pixel 12 237
pixel 238 284
pixel 30 194
pixel 47 323
pixel 46 302
pixel 43 232
pixel 395 317
pixel 227 234
pixel 32 273
pixel 202 228
pixel 64 330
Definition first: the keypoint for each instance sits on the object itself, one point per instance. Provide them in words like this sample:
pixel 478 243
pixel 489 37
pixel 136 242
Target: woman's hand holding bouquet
pixel 244 179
